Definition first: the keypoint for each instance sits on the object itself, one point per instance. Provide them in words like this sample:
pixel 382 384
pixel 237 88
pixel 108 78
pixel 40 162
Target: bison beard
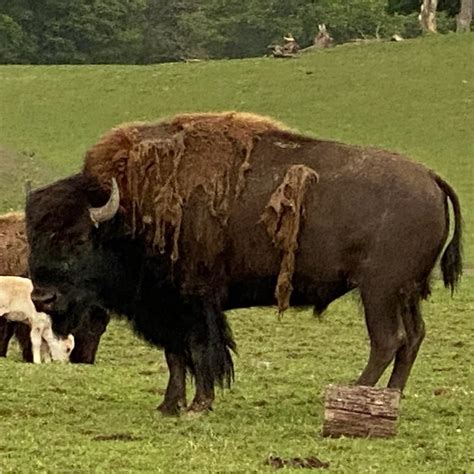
pixel 221 211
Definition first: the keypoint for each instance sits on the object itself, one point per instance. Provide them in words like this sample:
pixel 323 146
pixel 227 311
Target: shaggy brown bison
pixel 171 223
pixel 13 244
pixel 14 262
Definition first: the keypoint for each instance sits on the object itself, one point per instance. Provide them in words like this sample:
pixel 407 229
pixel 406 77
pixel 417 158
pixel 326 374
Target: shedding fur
pixel 160 166
pixel 13 244
pixel 282 218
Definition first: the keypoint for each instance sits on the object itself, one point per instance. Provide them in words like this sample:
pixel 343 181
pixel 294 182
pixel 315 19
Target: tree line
pixel 153 31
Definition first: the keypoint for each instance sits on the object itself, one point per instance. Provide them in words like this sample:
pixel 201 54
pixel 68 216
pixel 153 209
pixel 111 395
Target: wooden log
pixel 361 411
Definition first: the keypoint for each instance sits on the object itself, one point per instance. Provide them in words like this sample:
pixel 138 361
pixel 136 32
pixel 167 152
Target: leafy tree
pixel 405 7
pixel 145 31
pixel 358 19
pixel 163 39
pixel 236 29
pixel 78 31
pixel 12 40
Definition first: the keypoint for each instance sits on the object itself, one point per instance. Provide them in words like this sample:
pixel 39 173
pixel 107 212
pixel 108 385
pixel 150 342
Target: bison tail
pixel 452 261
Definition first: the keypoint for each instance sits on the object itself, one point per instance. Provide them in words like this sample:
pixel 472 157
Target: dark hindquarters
pixel 451 261
pixel 409 307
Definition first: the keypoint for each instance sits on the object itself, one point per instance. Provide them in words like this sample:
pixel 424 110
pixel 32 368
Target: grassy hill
pixel 415 97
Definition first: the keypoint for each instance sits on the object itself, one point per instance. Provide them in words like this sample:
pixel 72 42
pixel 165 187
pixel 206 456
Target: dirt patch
pixel 147 373
pixel 282 218
pixel 304 463
pixel 441 391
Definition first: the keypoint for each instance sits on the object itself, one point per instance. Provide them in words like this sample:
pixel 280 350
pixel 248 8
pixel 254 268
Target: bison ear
pixel 109 209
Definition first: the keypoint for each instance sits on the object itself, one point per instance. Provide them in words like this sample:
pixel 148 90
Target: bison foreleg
pixel 204 396
pixel 203 377
pixel 209 345
pixel 175 396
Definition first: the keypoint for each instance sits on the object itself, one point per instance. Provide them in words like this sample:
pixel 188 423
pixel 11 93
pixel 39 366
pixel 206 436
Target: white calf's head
pixel 62 348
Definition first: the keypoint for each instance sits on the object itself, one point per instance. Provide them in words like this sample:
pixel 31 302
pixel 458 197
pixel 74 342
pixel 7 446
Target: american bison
pixel 14 262
pixel 205 212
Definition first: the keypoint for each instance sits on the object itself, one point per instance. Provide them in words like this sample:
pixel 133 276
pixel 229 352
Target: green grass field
pixel 102 418
pixel 415 97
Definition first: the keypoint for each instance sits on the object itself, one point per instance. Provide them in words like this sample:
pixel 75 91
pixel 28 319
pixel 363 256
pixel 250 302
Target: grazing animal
pixel 205 212
pixel 14 262
pixel 16 305
pixel 323 39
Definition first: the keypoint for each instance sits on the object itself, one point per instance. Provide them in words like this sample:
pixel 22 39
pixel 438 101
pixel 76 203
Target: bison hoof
pixel 171 408
pixel 200 406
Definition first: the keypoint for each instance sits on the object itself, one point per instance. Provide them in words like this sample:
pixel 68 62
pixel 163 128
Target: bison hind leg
pixel 415 332
pixel 385 327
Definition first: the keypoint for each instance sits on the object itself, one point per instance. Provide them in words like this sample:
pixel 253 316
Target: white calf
pixel 16 305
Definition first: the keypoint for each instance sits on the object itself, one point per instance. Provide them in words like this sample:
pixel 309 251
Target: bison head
pixel 70 232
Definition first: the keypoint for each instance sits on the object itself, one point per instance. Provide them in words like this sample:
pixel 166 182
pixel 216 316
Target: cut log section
pixel 361 411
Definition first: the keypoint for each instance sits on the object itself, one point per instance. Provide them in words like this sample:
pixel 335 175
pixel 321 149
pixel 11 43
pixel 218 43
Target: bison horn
pixel 109 209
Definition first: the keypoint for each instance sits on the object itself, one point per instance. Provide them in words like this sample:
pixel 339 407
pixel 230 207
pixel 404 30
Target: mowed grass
pixel 103 418
pixel 415 97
